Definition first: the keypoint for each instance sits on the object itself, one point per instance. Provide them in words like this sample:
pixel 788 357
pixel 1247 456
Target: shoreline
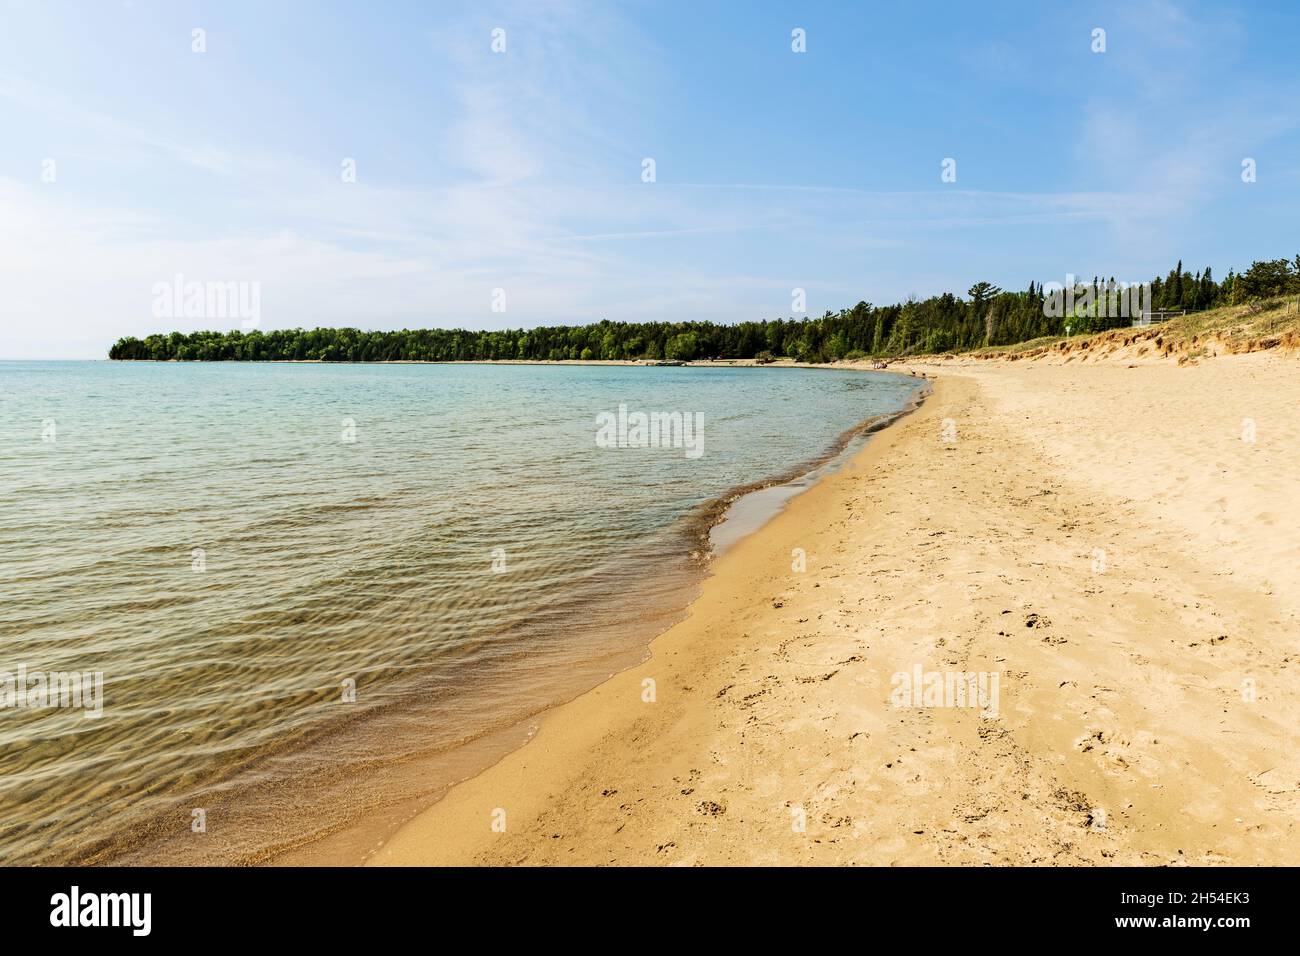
pixel 347 819
pixel 772 694
pixel 713 515
pixel 394 850
pixel 355 841
pixel 854 365
pixel 747 511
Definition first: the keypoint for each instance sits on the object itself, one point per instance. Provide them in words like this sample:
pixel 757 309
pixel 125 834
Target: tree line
pixel 987 316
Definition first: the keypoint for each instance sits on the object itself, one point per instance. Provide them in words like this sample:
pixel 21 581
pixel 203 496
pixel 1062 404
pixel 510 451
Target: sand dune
pixel 1106 538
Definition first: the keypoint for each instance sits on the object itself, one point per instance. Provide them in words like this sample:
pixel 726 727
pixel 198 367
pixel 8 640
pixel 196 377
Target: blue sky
pixel 521 170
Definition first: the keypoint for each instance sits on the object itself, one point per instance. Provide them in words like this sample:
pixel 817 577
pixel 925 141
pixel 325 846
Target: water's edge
pixel 744 508
pixel 335 792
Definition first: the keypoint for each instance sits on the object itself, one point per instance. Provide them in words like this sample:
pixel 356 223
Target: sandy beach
pixel 1113 540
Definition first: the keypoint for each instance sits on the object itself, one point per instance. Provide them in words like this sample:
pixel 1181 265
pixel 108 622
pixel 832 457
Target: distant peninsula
pixel 988 317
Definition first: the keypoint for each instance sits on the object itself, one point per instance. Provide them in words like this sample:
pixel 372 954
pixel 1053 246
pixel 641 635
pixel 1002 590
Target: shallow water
pixel 307 585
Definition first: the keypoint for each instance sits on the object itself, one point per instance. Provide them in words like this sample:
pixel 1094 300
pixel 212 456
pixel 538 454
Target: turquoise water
pixel 298 579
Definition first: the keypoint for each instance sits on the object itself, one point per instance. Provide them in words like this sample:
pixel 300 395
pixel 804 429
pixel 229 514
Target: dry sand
pixel 1102 536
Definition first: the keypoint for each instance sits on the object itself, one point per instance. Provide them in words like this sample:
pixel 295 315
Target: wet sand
pixel 1104 537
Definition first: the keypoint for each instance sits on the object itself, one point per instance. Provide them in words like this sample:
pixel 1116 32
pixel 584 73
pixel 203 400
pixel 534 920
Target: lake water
pixel 320 592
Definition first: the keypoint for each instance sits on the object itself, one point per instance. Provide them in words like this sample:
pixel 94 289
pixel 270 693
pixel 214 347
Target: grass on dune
pixel 1248 327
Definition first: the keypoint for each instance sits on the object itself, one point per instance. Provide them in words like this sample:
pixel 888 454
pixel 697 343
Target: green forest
pixel 987 316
